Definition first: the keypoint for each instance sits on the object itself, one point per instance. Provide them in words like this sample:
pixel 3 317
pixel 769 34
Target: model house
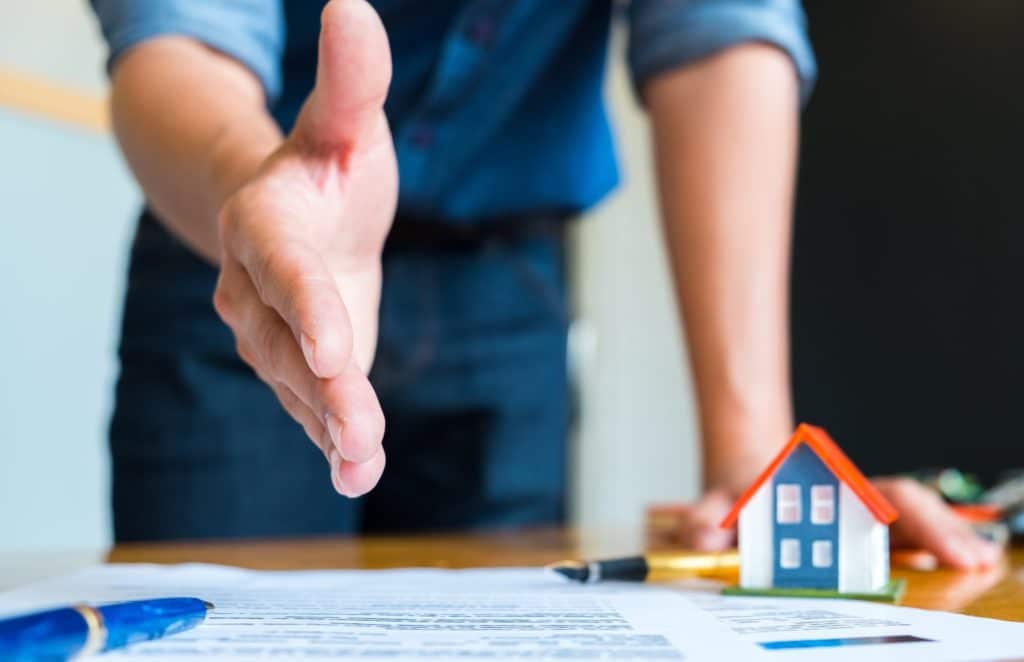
pixel 812 520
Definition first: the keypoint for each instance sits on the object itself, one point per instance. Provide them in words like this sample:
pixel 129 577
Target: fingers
pixel 264 337
pixel 291 278
pixel 342 410
pixel 352 78
pixel 926 522
pixel 699 523
pixel 304 415
pixel 350 479
pixel 355 420
pixel 354 479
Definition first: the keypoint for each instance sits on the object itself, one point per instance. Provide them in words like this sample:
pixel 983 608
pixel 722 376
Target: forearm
pixel 193 127
pixel 725 131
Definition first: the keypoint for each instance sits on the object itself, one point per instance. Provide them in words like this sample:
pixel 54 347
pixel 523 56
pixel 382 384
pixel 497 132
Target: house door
pixel 806 525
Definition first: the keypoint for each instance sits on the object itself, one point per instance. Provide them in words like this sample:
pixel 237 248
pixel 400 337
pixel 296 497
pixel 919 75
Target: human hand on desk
pixel 301 241
pixel 925 522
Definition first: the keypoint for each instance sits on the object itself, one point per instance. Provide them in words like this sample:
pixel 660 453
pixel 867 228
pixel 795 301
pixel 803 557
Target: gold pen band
pixel 97 633
pixel 668 566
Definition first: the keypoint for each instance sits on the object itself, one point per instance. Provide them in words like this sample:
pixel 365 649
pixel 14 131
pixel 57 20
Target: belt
pixel 418 232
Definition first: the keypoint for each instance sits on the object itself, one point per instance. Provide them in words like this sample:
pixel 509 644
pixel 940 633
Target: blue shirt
pixel 496 105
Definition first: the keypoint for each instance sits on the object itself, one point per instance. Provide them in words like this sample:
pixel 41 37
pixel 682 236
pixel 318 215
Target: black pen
pixel 654 567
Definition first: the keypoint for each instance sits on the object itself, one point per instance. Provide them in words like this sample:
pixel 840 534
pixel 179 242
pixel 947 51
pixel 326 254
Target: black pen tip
pixel 574 570
pixel 208 605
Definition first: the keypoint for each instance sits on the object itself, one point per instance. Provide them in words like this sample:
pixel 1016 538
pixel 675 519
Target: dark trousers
pixel 470 371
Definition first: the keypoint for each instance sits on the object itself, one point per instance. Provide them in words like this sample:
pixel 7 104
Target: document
pixel 805 629
pixel 401 614
pixel 502 614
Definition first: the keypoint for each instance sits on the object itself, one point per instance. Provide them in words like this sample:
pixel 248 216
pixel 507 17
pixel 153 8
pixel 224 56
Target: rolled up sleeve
pixel 665 34
pixel 250 31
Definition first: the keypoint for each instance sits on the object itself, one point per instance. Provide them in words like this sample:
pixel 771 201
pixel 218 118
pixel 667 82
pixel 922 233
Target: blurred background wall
pixel 908 315
pixel 67 208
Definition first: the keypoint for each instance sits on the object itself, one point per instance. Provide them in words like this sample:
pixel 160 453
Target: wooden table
pixel 997 593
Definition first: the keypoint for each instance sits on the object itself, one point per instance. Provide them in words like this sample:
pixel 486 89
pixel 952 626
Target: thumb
pixel 352 77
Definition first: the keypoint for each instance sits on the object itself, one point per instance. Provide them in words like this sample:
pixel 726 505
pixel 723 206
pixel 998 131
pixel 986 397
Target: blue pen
pixel 82 630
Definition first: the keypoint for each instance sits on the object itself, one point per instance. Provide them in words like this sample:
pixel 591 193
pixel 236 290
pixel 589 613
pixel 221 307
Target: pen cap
pixel 129 622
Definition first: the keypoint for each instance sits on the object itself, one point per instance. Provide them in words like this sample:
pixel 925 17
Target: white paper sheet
pixel 433 614
pixel 839 630
pixel 511 614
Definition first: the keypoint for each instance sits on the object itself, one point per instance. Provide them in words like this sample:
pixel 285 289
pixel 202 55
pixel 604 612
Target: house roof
pixel 818 441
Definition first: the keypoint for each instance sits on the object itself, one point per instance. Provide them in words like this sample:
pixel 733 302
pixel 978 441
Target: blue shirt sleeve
pixel 664 34
pixel 250 31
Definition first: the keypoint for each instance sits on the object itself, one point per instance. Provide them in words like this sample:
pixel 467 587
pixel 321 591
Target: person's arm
pixel 725 130
pixel 296 224
pixel 193 126
pixel 725 135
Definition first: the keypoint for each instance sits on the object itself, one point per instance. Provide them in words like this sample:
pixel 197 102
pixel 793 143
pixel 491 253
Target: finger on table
pixel 926 522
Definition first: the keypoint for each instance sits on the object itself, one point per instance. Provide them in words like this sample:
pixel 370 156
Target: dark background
pixel 908 315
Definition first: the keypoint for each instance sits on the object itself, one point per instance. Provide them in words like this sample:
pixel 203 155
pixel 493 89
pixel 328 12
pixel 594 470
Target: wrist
pixel 738 449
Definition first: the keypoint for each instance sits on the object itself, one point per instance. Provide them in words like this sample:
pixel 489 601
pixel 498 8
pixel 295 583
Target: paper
pixel 511 614
pixel 804 629
pixel 416 614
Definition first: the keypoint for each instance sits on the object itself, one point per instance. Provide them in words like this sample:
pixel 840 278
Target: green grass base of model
pixel 891 592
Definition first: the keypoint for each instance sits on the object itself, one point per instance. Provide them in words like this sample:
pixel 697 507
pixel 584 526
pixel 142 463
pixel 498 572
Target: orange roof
pixel 837 462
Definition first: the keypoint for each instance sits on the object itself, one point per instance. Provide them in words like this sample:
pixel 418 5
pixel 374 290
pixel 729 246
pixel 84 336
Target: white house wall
pixel 863 546
pixel 880 550
pixel 755 537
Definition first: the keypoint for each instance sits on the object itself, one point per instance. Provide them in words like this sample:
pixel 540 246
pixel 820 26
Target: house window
pixel 823 504
pixel 789 553
pixel 787 503
pixel 821 553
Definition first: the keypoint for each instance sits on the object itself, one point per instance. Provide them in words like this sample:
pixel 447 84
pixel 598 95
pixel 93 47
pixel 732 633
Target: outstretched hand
pixel 301 242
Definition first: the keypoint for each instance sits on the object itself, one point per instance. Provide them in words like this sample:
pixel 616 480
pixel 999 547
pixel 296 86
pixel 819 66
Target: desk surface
pixel 997 593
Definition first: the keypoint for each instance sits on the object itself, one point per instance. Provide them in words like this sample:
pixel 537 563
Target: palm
pixel 365 205
pixel 340 169
pixel 344 205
